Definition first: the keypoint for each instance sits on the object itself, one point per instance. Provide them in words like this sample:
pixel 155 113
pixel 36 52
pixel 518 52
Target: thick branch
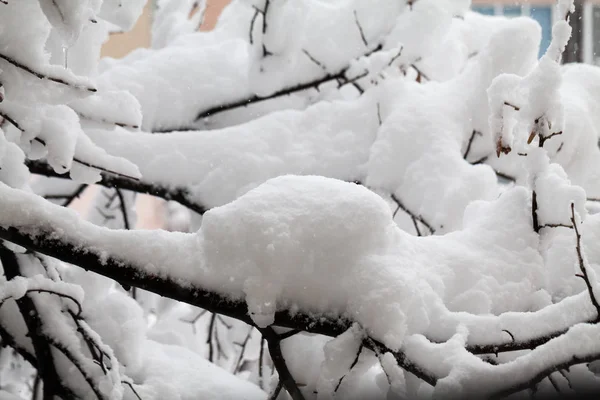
pixel 45 241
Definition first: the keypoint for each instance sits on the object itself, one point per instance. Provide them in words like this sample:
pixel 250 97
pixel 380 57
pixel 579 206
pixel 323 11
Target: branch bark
pixel 43 351
pixel 86 255
pixel 109 180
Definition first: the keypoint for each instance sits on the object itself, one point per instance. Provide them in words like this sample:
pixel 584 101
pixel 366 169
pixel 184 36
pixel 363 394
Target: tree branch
pixel 43 353
pixel 109 180
pixel 39 75
pixel 88 256
pixel 584 273
pixel 341 74
pixel 285 376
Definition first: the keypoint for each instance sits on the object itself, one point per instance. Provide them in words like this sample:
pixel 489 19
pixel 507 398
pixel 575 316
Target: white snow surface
pixel 324 246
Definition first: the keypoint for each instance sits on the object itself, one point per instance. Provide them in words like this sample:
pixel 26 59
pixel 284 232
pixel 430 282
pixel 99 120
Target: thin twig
pixel 360 29
pixel 414 217
pixel 470 142
pixel 123 207
pixel 110 180
pixel 39 75
pixel 313 84
pixel 584 273
pixel 274 344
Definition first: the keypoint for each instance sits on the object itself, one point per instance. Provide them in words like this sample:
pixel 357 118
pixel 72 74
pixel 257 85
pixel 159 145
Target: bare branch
pixel 314 60
pixel 413 216
pixel 470 143
pixel 360 29
pixel 285 376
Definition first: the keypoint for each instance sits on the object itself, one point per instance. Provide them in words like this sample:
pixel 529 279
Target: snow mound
pixel 282 234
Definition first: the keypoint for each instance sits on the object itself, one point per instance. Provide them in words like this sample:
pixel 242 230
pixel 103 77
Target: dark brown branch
pixel 265 12
pixel 288 334
pixel 261 356
pixel 252 22
pixel 209 340
pixel 69 198
pixel 108 122
pixel 122 271
pixel 515 344
pixel 285 376
pixel 413 216
pixel 130 385
pixel 544 138
pixel 420 73
pixel 314 60
pixel 66 351
pixel 505 176
pixel 280 93
pixel 534 216
pixel 556 226
pixel 396 56
pixel 545 373
pixel 123 207
pixel 276 391
pixel 514 107
pixel 194 320
pixel 39 75
pixel 584 274
pixel 75 159
pixel 43 353
pixel 238 364
pixel 109 180
pixel 470 143
pixel 9 340
pixel 360 29
pixel 360 348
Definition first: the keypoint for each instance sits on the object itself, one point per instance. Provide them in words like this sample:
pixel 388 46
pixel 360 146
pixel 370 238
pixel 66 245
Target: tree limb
pixel 109 180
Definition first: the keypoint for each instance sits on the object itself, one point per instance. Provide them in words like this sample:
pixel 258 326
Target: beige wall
pixel 513 2
pixel 120 44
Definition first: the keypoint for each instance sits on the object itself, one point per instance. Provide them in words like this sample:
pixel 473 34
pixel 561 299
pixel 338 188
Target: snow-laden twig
pixel 588 275
pixel 111 180
pixel 125 271
pixel 40 75
pixel 339 76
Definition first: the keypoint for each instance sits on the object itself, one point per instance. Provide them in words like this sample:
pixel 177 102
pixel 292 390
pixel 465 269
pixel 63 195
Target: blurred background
pixel 584 46
pixel 120 44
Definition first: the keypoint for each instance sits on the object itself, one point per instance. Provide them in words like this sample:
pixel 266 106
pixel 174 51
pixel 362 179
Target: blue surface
pixel 483 10
pixel 542 14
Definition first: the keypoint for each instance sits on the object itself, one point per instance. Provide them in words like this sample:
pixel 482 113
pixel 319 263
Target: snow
pixel 386 280
pixel 20 286
pixel 170 371
pixel 438 91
